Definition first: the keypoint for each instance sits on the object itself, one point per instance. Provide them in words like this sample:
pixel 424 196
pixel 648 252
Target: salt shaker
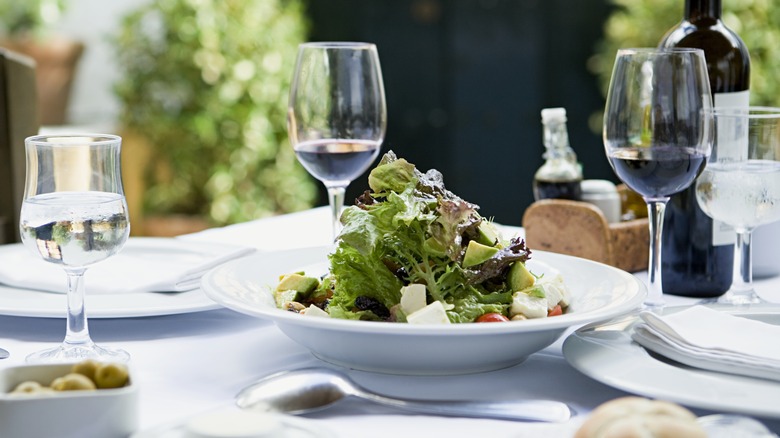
pixel 604 195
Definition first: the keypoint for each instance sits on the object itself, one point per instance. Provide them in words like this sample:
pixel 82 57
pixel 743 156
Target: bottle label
pixel 723 234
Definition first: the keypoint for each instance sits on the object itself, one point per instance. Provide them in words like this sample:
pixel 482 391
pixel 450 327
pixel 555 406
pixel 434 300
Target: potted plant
pixel 205 86
pixel 25 28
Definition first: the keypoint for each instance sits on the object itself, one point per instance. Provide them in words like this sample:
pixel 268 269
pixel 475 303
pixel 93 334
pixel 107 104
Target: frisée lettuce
pixel 408 229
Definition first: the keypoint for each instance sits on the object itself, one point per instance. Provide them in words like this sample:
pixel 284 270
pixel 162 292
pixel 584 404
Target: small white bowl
pixel 103 413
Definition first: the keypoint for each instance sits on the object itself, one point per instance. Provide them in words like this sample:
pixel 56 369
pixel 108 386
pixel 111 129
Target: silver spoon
pixel 312 389
pixel 4 353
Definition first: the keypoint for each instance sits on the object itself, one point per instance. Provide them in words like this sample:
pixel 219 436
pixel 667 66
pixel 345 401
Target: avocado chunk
pixel 477 253
pixel 298 282
pixel 519 277
pixel 488 234
pixel 286 296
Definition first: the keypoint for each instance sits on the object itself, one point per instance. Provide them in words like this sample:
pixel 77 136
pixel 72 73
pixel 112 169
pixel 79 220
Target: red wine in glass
pixel 337 160
pixel 657 172
pixel 657 133
pixel 336 114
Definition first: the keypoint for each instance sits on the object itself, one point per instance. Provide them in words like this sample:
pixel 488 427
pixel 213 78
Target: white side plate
pixel 605 352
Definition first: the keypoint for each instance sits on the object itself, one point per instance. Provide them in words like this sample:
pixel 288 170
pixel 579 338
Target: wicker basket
pixel 580 229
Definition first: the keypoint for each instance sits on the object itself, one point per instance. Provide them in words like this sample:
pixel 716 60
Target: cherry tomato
pixel 555 311
pixel 492 317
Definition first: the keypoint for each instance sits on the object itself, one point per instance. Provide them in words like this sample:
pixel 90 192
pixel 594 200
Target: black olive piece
pixel 367 303
pixel 397 270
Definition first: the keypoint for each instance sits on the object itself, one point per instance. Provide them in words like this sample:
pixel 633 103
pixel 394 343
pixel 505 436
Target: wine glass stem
pixel 655 210
pixel 77 332
pixel 336 201
pixel 743 272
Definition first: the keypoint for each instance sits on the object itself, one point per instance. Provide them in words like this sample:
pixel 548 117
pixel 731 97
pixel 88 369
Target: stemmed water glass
pixel 741 185
pixel 658 132
pixel 74 214
pixel 337 114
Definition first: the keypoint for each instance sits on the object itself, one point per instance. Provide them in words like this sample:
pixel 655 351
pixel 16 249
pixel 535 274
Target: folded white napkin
pixel 709 339
pixel 303 229
pixel 143 265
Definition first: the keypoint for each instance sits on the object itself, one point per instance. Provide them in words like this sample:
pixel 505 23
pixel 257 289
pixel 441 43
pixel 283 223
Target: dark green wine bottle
pixel 698 253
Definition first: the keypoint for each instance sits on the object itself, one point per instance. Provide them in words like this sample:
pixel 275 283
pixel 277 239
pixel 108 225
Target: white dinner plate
pixel 605 352
pixel 599 292
pixel 15 301
pixel 38 304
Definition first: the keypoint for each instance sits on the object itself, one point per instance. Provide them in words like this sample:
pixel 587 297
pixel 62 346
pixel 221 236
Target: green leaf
pixel 394 238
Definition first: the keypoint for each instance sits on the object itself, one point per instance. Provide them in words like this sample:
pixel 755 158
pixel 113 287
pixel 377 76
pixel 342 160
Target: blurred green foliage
pixel 642 23
pixel 26 18
pixel 206 82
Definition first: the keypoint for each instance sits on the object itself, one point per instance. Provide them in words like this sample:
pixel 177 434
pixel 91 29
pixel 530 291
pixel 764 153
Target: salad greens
pixel 408 228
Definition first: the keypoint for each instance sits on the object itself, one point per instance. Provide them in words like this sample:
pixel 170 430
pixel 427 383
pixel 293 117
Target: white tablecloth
pixel 191 363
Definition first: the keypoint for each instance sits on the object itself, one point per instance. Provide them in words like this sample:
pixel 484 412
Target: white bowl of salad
pixel 420 283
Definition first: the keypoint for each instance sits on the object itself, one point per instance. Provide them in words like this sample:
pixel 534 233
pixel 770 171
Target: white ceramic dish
pixel 16 301
pixel 105 413
pixel 38 304
pixel 599 292
pixel 605 352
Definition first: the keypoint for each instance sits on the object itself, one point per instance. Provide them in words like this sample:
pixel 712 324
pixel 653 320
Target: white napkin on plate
pixel 303 229
pixel 705 338
pixel 144 265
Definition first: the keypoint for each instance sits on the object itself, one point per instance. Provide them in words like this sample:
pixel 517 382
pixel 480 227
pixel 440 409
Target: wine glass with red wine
pixel 337 114
pixel 658 132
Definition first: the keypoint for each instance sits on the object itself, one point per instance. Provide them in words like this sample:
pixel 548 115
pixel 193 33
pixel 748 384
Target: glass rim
pixel 354 45
pixel 749 112
pixel 73 139
pixel 659 50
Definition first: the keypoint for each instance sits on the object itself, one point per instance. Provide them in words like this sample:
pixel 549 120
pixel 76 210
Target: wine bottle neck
pixel 702 9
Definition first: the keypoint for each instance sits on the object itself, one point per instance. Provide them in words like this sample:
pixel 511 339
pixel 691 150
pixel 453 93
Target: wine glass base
pixel 653 306
pixel 741 298
pixel 76 353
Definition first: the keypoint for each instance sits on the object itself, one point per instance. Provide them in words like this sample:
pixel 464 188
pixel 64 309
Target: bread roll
pixel 637 417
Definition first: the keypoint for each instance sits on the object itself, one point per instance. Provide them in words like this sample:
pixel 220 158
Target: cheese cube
pixel 530 306
pixel 556 292
pixel 315 311
pixel 433 313
pixel 413 298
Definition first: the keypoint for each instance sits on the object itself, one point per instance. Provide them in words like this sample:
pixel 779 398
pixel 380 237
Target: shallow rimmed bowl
pixel 598 292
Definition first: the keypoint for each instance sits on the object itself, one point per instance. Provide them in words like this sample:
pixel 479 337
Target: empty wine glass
pixel 336 115
pixel 741 185
pixel 74 214
pixel 658 132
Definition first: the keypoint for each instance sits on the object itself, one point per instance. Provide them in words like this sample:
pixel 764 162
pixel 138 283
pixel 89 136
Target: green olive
pixel 72 381
pixel 111 375
pixel 86 368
